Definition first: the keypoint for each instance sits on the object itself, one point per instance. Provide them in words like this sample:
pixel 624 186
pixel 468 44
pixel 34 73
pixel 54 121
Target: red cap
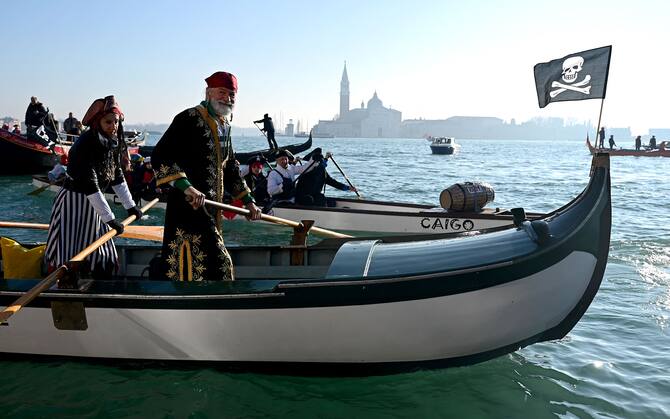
pixel 99 108
pixel 222 79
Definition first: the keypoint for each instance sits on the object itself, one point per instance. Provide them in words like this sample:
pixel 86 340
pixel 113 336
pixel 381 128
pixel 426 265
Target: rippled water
pixel 614 363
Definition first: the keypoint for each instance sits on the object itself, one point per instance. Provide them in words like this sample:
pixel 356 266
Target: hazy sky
pixel 430 59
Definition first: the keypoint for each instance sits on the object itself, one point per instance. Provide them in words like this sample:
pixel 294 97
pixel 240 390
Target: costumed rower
pixel 253 176
pixel 80 213
pixel 281 179
pixel 311 182
pixel 195 155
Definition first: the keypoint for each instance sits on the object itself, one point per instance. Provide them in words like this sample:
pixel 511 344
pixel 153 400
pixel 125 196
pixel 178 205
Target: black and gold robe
pixel 197 147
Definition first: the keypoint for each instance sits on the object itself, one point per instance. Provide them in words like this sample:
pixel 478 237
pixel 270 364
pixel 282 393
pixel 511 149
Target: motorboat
pixel 443 145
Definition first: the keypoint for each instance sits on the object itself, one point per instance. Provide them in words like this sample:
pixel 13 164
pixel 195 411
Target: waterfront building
pixel 373 121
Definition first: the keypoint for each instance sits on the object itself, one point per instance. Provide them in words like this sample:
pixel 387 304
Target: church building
pixel 373 121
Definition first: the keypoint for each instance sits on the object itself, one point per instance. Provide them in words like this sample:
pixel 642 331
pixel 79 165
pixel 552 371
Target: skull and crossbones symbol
pixel 571 68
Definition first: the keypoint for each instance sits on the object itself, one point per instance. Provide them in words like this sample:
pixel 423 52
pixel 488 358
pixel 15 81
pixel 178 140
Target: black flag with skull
pixel 578 76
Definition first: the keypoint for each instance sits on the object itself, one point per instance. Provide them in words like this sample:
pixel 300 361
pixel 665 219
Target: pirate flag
pixel 578 76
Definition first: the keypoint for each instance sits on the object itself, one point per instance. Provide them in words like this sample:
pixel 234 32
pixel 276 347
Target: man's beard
pixel 222 108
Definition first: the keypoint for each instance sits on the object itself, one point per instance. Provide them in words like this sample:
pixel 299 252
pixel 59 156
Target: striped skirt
pixel 74 225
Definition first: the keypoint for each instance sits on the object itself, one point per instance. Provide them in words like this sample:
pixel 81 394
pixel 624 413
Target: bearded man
pixel 195 155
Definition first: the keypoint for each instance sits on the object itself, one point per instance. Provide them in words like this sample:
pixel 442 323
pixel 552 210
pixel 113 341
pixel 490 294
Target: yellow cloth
pixel 19 262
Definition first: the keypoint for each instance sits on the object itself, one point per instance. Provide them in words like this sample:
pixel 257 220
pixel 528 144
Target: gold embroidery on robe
pixel 185 249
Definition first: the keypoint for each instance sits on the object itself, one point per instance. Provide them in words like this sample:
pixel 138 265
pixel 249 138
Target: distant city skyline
pixel 430 59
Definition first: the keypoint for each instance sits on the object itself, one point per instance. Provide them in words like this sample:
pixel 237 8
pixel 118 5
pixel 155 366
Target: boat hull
pixel 19 155
pixel 442 149
pixel 381 306
pixel 361 216
pixel 393 332
pixel 394 218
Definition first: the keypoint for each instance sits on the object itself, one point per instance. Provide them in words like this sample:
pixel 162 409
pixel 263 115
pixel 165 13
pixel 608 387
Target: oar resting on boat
pixel 277 220
pixel 60 272
pixel 151 233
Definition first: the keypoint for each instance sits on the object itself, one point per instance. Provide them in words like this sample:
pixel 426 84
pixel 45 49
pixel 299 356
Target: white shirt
pixel 275 180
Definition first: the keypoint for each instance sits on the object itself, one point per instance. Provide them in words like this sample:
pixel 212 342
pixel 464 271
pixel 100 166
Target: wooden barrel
pixel 467 196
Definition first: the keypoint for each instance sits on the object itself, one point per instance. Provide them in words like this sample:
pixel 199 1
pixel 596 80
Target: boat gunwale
pixel 25 143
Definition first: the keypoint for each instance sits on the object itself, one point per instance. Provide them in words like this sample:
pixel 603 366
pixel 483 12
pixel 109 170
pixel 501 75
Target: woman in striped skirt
pixel 81 214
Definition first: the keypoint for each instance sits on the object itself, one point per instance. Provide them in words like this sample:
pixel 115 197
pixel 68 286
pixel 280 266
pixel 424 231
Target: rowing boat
pixel 21 155
pixel 367 216
pixel 342 306
pixel 359 215
pixel 661 151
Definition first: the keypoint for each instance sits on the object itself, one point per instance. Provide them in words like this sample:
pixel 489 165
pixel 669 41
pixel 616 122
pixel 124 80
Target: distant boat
pixel 271 155
pixel 314 135
pixel 443 145
pixel 242 157
pixel 21 155
pixel 135 137
pixel 661 151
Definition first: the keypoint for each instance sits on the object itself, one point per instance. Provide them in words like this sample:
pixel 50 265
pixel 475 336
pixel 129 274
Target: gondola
pixel 242 157
pixel 661 151
pixel 21 155
pixel 360 216
pixel 342 306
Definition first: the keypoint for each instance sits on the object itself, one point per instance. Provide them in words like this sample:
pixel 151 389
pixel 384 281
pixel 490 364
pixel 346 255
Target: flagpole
pixel 602 102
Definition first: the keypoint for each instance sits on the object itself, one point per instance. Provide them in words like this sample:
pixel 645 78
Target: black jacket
pixel 311 182
pixel 35 114
pixel 268 126
pixel 94 163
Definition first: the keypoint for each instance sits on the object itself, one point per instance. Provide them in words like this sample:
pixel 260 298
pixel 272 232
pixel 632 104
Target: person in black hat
pixel 253 176
pixel 269 129
pixel 281 179
pixel 310 184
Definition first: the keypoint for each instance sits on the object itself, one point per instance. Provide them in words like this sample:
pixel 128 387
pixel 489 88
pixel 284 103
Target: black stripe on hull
pixel 314 369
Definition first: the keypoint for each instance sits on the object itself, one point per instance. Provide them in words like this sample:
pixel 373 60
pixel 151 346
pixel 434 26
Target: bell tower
pixel 344 92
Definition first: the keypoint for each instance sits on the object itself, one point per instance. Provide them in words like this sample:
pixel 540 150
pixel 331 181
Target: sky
pixel 427 59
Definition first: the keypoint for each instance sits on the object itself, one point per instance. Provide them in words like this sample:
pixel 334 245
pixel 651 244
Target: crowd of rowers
pixel 193 162
pixel 291 180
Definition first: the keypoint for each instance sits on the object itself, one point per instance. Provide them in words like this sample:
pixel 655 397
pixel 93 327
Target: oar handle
pixel 107 236
pixel 47 282
pixel 345 176
pixel 153 233
pixel 30 295
pixel 276 220
pixel 34 226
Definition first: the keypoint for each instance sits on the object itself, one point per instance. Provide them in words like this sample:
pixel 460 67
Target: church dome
pixel 375 102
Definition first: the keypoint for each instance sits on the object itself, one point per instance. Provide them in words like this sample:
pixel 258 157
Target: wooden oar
pixel 345 176
pixel 47 282
pixel 152 233
pixel 40 189
pixel 277 220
